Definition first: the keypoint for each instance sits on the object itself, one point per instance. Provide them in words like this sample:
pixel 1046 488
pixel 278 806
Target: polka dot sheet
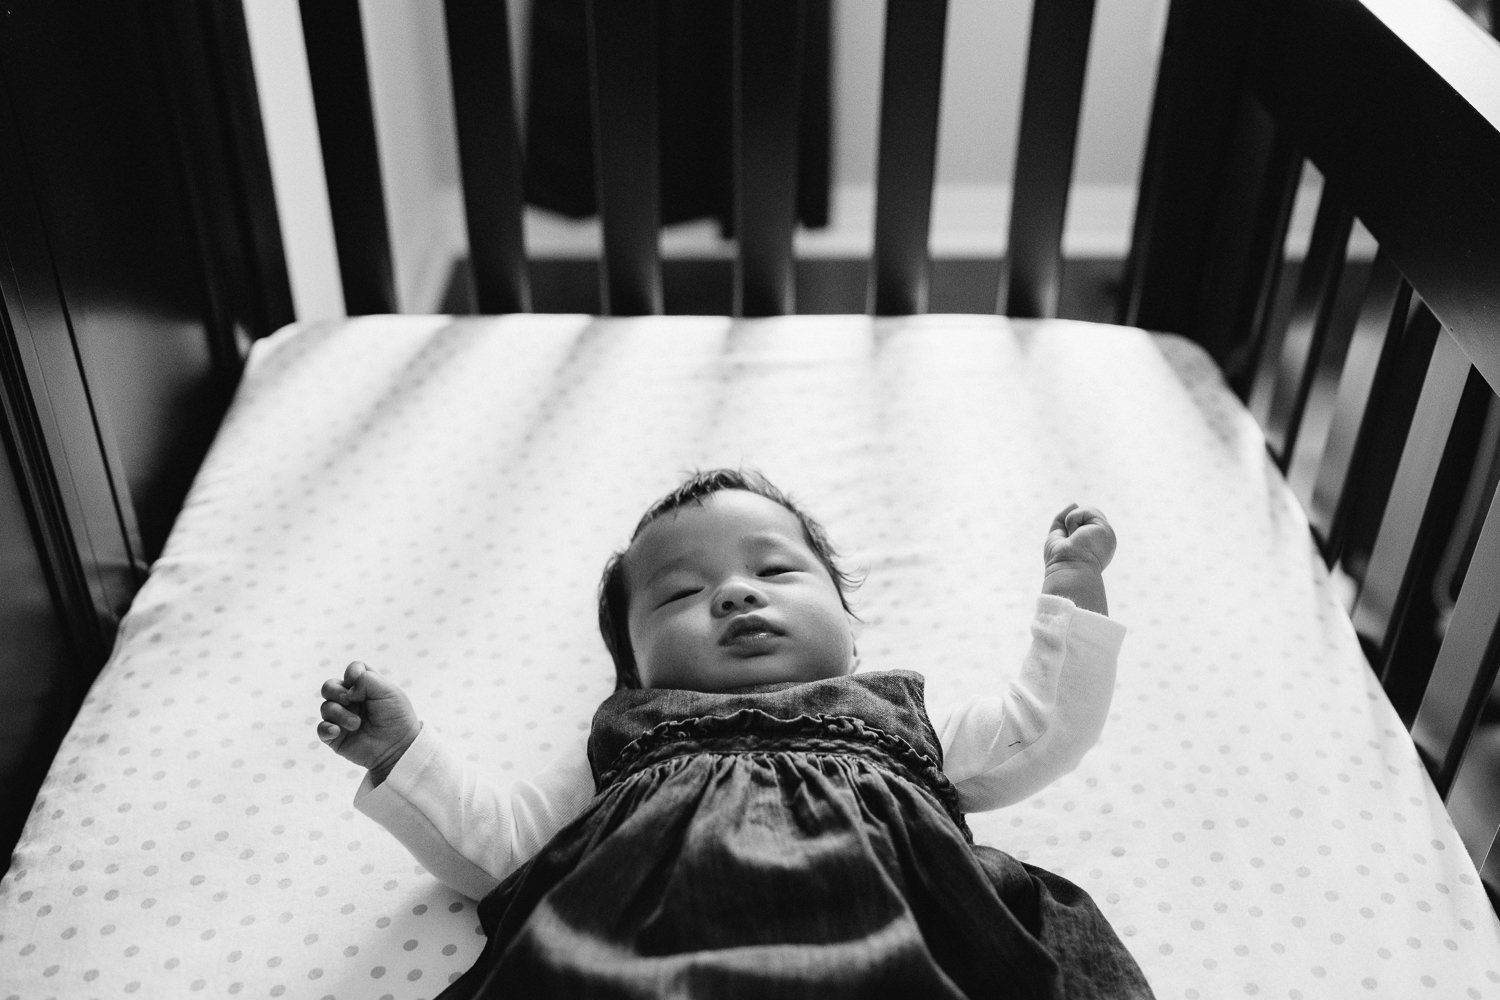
pixel 438 496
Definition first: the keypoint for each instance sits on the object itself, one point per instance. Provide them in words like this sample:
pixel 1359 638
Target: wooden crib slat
pixel 1292 348
pixel 1383 431
pixel 1473 798
pixel 1238 221
pixel 1188 143
pixel 1053 92
pixel 1323 481
pixel 489 152
pixel 1394 615
pixel 911 80
pixel 622 71
pixel 1464 673
pixel 769 36
pixel 1239 291
pixel 351 160
pixel 1324 376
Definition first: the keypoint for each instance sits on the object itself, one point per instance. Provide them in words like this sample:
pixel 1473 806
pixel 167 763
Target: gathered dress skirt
pixel 784 841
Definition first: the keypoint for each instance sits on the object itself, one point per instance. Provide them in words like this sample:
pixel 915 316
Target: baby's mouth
pixel 748 627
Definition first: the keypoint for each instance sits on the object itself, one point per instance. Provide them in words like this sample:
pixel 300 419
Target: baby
pixel 753 817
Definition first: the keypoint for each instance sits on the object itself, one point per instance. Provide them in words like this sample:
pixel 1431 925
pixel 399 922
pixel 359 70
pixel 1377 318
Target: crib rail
pixel 1376 389
pixel 768 42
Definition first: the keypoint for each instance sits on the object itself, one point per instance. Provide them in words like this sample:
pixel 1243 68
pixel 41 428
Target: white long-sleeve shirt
pixel 997 750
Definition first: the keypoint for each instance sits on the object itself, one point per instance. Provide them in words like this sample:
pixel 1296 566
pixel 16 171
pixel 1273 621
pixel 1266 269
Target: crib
pixel 214 506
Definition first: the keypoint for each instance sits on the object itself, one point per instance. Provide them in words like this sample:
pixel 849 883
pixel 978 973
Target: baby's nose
pixel 738 596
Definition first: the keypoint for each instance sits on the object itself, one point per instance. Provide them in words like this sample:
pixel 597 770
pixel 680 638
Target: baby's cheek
pixel 683 640
pixel 665 643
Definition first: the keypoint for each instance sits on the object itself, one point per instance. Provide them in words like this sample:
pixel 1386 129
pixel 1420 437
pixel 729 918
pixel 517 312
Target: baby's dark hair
pixel 614 592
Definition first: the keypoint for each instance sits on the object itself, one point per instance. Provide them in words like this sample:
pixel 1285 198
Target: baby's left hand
pixel 1080 535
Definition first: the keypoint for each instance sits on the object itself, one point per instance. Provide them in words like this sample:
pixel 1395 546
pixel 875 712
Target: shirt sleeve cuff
pixel 1089 632
pixel 404 778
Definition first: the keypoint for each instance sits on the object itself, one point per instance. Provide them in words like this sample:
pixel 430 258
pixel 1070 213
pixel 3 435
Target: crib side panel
pixel 1396 614
pixel 134 272
pixel 128 197
pixel 1398 106
pixel 68 504
pixel 1357 87
pixel 1362 86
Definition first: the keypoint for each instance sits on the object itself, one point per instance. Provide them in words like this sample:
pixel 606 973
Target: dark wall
pixel 138 257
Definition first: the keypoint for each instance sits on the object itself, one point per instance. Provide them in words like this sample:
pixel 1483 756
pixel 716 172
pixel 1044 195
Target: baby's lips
pixel 748 624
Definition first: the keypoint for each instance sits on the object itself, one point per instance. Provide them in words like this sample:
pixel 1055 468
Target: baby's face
pixel 730 594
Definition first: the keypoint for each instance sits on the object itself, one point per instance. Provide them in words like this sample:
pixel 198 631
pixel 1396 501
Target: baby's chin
pixel 755 673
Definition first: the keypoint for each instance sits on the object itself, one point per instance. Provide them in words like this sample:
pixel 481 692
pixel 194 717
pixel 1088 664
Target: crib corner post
pixel 1187 158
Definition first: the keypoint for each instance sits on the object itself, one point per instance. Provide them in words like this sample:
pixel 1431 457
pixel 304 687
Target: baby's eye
pixel 776 570
pixel 678 595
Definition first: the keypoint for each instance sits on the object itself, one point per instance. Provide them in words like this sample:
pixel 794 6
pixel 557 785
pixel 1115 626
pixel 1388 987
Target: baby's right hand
pixel 367 720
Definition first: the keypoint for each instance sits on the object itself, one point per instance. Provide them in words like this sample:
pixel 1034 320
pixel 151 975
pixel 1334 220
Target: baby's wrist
pixel 1079 581
pixel 382 768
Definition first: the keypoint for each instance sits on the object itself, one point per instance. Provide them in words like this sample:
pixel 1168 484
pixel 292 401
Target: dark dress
pixel 784 841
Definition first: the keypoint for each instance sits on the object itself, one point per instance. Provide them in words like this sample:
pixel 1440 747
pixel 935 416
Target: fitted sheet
pixel 437 497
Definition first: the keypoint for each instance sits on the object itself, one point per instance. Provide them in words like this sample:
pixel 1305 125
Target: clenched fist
pixel 367 720
pixel 1078 547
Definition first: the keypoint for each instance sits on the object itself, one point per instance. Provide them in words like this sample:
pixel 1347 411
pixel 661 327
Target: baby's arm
pixel 467 832
pixel 999 750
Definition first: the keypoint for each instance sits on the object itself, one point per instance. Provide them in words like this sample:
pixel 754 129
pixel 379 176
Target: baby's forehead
pixel 731 520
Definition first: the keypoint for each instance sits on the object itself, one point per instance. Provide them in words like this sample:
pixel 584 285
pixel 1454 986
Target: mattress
pixel 437 496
